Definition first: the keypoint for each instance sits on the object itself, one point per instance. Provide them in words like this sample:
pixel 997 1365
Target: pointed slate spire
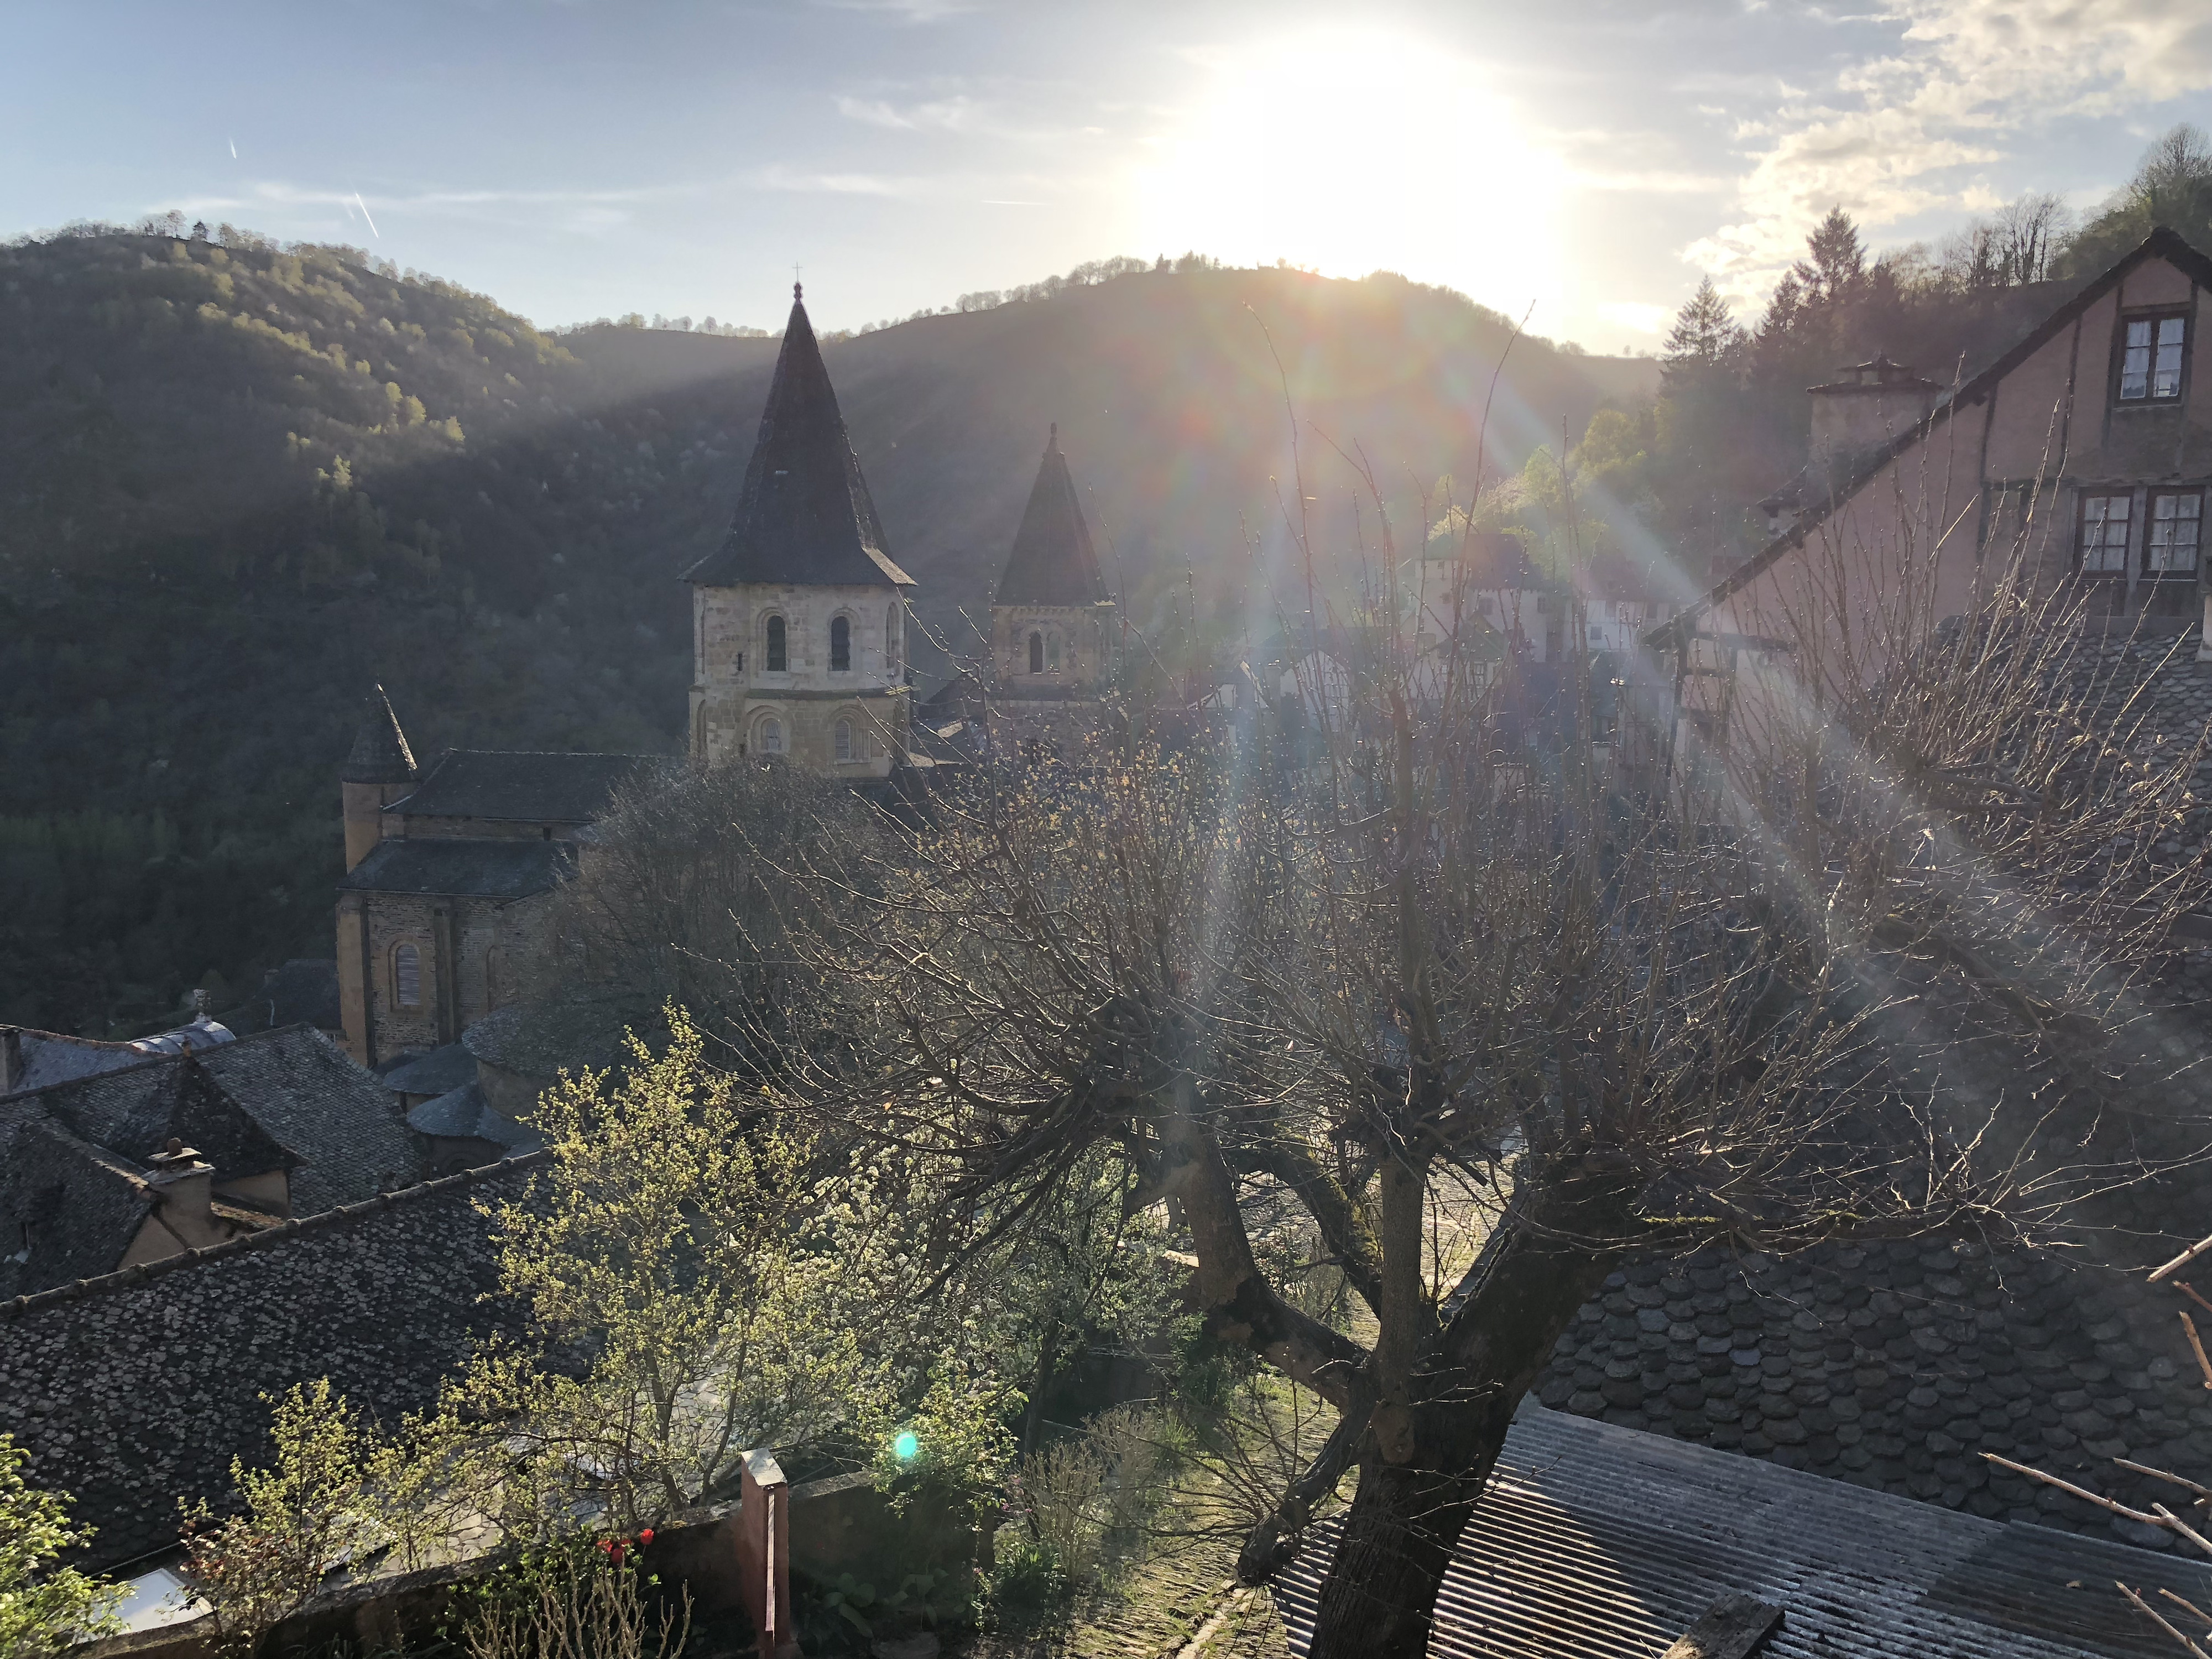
pixel 381 754
pixel 804 516
pixel 1053 562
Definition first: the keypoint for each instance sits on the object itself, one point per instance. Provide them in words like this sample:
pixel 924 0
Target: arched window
pixel 771 736
pixel 407 976
pixel 844 740
pixel 1036 653
pixel 1052 651
pixel 891 638
pixel 776 658
pixel 840 645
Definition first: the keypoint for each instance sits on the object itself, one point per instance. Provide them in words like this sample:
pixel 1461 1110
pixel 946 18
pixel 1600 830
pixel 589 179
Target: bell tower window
pixel 1036 653
pixel 777 660
pixel 407 976
pixel 840 645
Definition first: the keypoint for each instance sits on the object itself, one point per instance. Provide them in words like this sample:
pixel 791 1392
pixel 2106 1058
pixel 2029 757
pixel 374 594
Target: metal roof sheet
pixel 1601 1542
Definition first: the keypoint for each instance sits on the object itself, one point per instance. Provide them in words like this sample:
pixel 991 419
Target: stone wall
pixel 732 690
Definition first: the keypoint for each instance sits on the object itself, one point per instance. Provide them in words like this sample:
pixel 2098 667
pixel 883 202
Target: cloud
pixel 913 11
pixel 779 177
pixel 1890 137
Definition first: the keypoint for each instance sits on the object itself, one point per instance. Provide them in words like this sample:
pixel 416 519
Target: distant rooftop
pixel 466 869
pixel 522 786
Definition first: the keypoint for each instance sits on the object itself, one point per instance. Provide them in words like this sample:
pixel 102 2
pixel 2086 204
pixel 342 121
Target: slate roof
pixel 522 786
pixel 804 517
pixel 463 869
pixel 379 754
pixel 465 1114
pixel 434 1073
pixel 2163 243
pixel 290 1096
pixel 135 1389
pixel 82 1205
pixel 1053 562
pixel 1894 1366
pixel 51 1057
pixel 1595 1542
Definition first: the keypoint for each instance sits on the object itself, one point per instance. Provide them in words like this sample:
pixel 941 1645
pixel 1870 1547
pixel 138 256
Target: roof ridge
pixel 147 1061
pixel 322 1221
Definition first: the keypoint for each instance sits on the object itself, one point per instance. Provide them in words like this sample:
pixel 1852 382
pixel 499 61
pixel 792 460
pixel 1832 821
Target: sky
pixel 1583 162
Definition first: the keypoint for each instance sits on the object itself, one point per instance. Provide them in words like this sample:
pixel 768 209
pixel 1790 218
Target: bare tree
pixel 1484 997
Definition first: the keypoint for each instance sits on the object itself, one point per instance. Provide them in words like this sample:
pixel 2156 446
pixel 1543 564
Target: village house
pixel 2076 463
pixel 178 1151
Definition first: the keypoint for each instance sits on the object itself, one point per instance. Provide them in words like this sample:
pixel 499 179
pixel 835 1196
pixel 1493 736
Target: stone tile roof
pixel 133 1389
pixel 379 754
pixel 1053 562
pixel 68 1209
pixel 434 1073
pixel 522 786
pixel 1601 1543
pixel 1895 1366
pixel 805 517
pixel 51 1057
pixel 458 869
pixel 465 1114
pixel 281 1097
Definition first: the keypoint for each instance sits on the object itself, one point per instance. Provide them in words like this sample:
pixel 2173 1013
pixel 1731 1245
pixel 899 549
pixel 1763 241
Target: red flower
pixel 645 1537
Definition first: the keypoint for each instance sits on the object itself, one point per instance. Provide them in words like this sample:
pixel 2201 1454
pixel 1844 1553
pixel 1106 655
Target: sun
pixel 1354 150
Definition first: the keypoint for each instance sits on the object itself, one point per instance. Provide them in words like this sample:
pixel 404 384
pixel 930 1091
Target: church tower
pixel 798 619
pixel 379 769
pixel 1051 620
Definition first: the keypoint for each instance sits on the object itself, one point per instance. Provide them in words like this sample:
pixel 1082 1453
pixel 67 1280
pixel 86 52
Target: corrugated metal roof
pixel 1601 1542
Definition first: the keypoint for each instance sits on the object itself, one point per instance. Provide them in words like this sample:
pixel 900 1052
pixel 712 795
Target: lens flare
pixel 907 1447
pixel 1354 150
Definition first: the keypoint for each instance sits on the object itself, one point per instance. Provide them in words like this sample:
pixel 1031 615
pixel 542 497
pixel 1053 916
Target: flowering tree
pixel 43 1608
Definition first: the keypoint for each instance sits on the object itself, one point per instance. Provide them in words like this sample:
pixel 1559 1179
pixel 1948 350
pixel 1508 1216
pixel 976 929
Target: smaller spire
pixel 796 292
pixel 381 754
pixel 1053 440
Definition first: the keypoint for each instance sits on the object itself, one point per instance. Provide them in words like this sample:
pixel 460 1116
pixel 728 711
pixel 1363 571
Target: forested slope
pixel 238 482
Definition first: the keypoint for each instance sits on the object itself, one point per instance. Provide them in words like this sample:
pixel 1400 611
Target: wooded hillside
pixel 240 482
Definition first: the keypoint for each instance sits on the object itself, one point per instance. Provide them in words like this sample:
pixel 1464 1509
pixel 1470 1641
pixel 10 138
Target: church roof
pixel 381 754
pixel 458 869
pixel 521 787
pixel 805 517
pixel 1053 562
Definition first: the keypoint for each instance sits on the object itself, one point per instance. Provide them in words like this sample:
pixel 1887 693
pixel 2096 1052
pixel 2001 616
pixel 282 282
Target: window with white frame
pixel 2101 547
pixel 2151 355
pixel 2172 532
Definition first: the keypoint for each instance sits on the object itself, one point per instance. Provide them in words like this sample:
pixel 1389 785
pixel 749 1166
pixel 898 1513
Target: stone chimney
pixel 1864 407
pixel 183 1186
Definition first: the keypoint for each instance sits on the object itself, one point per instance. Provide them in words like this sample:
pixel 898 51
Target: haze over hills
pixel 243 482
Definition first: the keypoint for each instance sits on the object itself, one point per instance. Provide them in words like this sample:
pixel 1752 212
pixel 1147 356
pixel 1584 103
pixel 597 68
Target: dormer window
pixel 777 660
pixel 2152 356
pixel 840 645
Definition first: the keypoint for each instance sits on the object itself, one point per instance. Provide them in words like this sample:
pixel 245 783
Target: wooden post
pixel 764 1554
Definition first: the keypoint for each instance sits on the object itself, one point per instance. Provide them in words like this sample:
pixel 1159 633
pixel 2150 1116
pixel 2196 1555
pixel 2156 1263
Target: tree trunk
pixel 1549 1254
